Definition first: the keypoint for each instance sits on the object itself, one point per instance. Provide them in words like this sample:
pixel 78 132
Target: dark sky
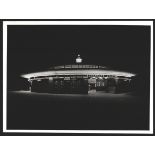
pixel 34 48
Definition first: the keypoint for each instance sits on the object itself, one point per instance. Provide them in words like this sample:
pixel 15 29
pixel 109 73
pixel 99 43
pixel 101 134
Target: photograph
pixel 77 76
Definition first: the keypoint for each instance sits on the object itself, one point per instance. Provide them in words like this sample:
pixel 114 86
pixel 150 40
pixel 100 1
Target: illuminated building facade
pixel 80 78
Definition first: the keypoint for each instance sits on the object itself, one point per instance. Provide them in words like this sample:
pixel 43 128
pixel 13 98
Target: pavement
pixel 93 111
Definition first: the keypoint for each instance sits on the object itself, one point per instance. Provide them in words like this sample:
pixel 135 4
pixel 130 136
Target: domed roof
pixel 65 70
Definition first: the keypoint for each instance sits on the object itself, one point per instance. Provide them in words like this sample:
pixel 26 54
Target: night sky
pixel 36 48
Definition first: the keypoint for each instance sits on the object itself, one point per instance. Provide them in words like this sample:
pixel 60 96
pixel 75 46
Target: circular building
pixel 80 78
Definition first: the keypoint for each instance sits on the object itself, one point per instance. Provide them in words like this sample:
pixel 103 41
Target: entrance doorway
pixel 92 85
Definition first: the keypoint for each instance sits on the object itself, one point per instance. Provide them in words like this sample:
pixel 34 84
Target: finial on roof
pixel 78 59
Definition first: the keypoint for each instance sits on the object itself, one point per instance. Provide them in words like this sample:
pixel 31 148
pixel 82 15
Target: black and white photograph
pixel 78 77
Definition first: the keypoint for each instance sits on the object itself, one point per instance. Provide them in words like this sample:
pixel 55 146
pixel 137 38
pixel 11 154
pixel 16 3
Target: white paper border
pixel 143 23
